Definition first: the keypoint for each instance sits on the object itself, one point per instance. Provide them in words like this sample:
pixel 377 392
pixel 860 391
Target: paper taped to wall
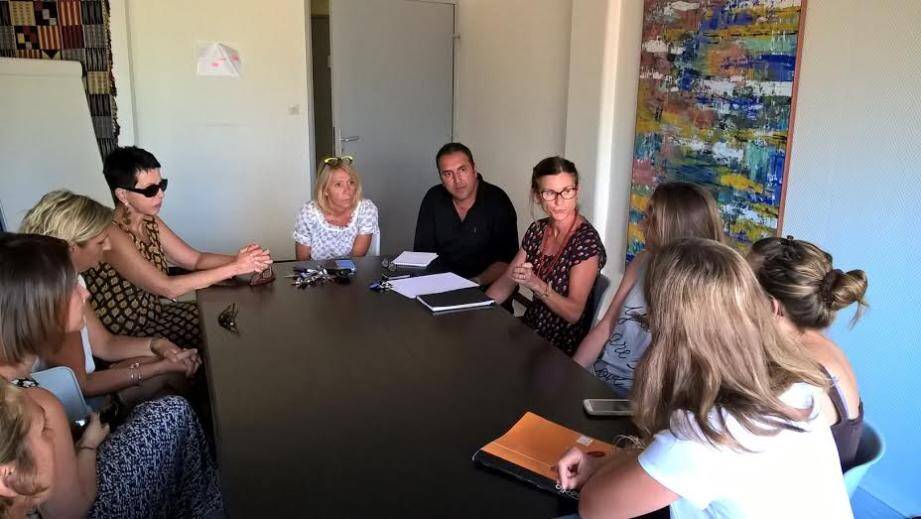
pixel 217 59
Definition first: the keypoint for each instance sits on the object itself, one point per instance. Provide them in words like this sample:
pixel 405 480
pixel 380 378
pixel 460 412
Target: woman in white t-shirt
pixel 338 222
pixel 731 413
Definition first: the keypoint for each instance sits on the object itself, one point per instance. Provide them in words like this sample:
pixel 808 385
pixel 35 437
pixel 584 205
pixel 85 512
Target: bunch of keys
pixel 380 286
pixel 389 265
pixel 309 277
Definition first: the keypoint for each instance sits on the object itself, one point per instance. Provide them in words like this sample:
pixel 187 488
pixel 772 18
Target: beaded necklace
pixel 545 263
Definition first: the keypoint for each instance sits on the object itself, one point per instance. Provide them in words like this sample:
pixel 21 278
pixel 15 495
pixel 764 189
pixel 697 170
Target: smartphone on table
pixel 607 406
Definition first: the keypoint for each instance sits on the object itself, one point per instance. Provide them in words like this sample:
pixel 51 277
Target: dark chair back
pixel 597 296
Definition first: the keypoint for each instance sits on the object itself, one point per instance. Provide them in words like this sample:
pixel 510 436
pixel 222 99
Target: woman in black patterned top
pixel 559 259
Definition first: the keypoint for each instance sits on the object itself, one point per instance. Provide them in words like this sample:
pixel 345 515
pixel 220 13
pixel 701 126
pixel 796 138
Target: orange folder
pixel 532 447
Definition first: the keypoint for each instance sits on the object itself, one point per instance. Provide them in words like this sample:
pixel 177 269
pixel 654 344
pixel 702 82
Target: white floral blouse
pixel 327 241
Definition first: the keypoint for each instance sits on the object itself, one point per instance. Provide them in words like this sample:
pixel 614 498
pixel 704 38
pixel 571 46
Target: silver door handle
pixel 353 138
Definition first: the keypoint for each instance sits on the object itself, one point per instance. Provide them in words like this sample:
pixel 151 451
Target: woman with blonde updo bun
pixel 807 291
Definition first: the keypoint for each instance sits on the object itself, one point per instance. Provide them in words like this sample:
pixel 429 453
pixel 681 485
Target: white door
pixel 392 79
pixel 235 149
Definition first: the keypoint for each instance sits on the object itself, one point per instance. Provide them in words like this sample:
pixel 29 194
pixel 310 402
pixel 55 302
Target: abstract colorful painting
pixel 715 107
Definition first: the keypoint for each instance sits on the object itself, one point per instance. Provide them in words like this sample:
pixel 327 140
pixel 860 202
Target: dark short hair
pixel 552 166
pixel 122 166
pixel 36 278
pixel 452 147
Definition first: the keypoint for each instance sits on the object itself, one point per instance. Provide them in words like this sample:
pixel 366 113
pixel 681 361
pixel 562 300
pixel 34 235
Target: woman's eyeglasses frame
pixel 549 195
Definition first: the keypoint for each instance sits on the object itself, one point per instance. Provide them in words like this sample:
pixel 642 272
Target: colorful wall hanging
pixel 715 107
pixel 72 30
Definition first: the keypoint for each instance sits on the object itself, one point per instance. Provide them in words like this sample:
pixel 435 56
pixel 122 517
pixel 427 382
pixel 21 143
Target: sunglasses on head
pixel 335 161
pixel 151 190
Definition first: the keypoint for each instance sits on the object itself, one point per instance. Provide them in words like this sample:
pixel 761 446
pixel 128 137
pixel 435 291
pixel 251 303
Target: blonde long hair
pixel 73 218
pixel 715 347
pixel 323 179
pixel 15 423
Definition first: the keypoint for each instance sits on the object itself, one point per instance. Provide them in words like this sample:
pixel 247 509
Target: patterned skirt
pixel 178 322
pixel 157 465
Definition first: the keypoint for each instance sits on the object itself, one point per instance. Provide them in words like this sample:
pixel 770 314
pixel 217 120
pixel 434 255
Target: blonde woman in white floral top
pixel 338 222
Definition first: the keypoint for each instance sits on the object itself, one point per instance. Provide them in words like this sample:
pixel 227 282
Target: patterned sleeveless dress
pixel 155 464
pixel 126 309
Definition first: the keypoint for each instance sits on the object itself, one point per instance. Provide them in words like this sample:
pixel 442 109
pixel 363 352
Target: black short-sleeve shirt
pixel 489 232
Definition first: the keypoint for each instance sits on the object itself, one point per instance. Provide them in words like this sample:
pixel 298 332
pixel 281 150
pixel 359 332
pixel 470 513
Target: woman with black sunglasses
pixel 128 286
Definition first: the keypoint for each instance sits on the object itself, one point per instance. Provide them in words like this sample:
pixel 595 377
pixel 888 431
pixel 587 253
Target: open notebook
pixel 532 447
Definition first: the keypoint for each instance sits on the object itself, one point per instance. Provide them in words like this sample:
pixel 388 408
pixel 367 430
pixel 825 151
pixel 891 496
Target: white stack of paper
pixel 414 259
pixel 433 284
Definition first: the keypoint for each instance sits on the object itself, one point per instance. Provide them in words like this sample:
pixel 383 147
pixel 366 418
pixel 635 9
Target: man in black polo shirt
pixel 470 223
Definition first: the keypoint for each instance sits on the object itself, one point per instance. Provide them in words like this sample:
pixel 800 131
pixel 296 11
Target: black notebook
pixel 464 298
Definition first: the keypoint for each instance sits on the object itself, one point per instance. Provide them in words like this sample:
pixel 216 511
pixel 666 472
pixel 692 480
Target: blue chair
pixel 62 382
pixel 870 449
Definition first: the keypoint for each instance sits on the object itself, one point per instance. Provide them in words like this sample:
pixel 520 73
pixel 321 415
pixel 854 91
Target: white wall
pixel 236 150
pixel 121 71
pixel 512 81
pixel 854 189
pixel 587 86
pixel 603 76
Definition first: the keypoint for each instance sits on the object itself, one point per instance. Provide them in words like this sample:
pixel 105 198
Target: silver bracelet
pixel 134 374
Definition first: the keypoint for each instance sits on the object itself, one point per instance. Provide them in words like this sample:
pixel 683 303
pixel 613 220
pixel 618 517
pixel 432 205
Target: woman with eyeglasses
pixel 128 286
pixel 559 259
pixel 338 222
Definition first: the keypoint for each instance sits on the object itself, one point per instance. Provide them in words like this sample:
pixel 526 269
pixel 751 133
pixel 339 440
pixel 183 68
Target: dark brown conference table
pixel 337 401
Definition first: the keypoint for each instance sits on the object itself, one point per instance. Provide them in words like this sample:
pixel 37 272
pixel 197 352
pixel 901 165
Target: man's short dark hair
pixel 122 166
pixel 449 148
